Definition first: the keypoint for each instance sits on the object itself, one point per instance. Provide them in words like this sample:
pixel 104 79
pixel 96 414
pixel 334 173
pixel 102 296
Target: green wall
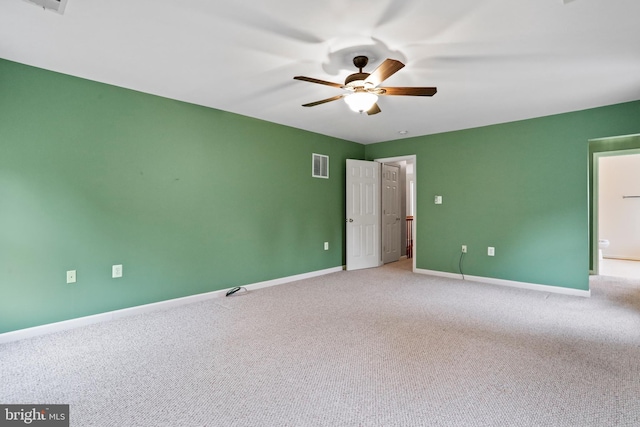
pixel 189 199
pixel 521 187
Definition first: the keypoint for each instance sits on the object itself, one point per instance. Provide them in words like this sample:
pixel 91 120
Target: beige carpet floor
pixel 378 347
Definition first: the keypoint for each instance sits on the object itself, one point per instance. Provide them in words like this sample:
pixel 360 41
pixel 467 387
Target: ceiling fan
pixel 363 88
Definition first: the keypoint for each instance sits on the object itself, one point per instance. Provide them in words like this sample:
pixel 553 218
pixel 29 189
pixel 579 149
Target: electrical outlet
pixel 438 200
pixel 464 249
pixel 116 271
pixel 326 246
pixel 491 251
pixel 71 276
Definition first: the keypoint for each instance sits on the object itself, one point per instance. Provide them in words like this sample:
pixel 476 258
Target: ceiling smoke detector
pixel 54 5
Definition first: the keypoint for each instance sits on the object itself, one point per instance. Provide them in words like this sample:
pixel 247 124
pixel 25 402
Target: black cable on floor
pixel 460 264
pixel 236 289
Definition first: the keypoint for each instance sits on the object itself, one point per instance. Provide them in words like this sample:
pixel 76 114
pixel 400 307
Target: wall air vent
pixel 54 5
pixel 320 166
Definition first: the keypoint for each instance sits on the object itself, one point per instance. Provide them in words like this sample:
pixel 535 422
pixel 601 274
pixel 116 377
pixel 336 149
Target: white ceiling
pixel 493 61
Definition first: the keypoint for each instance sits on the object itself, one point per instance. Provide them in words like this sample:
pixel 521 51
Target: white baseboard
pixel 295 278
pixel 509 283
pixel 146 308
pixel 438 273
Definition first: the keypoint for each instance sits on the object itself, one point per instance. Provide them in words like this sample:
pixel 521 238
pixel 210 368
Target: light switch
pixel 116 271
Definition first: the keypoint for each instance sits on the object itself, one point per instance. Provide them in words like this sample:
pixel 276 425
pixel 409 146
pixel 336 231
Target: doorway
pixel 364 206
pixel 616 236
pixel 408 188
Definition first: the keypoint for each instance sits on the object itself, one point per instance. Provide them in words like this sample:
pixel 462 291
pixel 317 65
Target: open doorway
pixel 363 211
pixel 617 213
pixel 408 219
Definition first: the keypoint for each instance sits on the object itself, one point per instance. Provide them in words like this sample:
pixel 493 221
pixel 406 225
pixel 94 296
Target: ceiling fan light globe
pixel 360 101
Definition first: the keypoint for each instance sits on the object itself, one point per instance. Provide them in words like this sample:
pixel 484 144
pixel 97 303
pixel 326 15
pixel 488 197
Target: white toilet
pixel 602 244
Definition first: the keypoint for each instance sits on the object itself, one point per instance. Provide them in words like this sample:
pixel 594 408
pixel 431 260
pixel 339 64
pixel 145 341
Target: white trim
pixel 295 278
pixel 438 273
pixel 595 203
pixel 509 283
pixel 146 308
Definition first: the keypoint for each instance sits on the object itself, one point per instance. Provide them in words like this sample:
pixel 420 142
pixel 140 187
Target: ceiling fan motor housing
pixel 360 62
pixel 355 77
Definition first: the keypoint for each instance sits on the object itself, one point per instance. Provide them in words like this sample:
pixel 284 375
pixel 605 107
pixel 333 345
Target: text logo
pixel 34 415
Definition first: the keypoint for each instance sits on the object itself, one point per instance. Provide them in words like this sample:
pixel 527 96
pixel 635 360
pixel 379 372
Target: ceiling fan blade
pixel 374 110
pixel 385 70
pixel 333 98
pixel 409 91
pixel 322 82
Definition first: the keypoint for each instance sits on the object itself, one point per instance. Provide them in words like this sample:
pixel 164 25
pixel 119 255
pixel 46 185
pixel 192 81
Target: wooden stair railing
pixel 409 236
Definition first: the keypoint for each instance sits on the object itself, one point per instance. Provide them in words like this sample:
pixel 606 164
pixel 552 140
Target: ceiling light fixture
pixel 364 88
pixel 361 101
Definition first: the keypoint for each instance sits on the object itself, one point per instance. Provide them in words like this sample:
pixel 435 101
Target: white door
pixel 363 214
pixel 391 219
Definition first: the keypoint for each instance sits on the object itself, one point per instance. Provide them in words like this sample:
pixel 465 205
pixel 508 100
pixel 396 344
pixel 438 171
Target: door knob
pixel 350 220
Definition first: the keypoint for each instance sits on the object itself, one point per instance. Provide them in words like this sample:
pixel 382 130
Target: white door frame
pixel 595 230
pixel 413 159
